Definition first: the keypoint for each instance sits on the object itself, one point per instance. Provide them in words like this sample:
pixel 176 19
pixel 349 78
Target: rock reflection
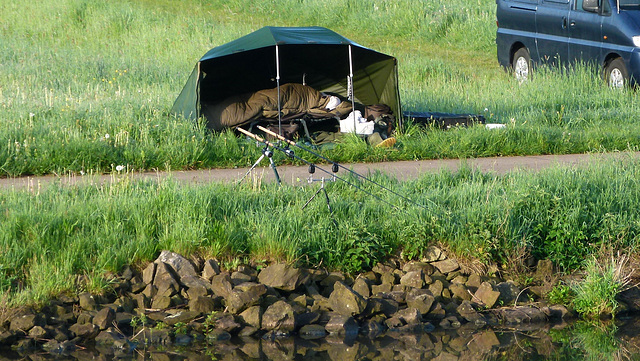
pixel 577 341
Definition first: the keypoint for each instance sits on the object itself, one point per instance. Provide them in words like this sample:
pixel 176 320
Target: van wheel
pixel 521 65
pixel 615 73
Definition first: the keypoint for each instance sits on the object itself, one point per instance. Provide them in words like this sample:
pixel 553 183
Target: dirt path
pixel 403 170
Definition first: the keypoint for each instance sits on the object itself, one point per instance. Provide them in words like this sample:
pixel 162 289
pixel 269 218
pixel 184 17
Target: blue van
pixel 560 32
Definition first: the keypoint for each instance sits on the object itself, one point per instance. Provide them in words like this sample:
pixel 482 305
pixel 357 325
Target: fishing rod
pixel 291 154
pixel 339 165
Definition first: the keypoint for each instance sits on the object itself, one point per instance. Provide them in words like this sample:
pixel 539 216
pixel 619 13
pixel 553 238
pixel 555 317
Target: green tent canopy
pixel 314 56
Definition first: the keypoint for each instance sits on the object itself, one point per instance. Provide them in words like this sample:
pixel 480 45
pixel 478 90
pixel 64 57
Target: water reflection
pixel 581 340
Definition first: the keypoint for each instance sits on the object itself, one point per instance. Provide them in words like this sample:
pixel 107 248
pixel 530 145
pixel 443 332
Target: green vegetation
pixel 47 236
pixel 596 294
pixel 87 86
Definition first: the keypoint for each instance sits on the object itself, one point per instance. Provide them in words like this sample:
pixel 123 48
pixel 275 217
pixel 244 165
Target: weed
pixel 561 294
pixel 595 295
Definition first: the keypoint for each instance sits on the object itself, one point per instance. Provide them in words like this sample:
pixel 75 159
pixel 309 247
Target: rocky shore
pixel 179 301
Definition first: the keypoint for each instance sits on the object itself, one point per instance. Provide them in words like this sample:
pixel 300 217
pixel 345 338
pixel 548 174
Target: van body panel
pixel 562 32
pixel 585 37
pixel 552 32
pixel 516 28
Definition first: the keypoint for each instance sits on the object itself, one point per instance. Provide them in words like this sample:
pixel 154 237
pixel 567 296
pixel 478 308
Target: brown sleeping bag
pixel 295 99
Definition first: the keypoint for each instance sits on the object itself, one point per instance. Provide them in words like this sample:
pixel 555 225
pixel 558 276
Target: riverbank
pixel 180 301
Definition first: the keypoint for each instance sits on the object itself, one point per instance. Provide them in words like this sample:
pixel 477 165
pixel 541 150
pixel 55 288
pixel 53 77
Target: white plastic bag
pixel 362 126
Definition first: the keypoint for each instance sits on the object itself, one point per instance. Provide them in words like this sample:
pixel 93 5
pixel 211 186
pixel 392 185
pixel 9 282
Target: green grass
pixel 74 71
pixel 48 236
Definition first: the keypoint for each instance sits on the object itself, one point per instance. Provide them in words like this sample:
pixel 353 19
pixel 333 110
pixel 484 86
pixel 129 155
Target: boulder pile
pixel 175 300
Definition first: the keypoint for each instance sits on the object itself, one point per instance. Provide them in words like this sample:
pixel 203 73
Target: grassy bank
pixel 63 238
pixel 87 86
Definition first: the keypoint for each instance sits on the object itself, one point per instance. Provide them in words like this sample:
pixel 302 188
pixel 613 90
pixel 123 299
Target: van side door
pixel 552 20
pixel 585 31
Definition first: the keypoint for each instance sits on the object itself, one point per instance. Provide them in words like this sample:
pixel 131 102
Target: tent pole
pixel 278 85
pixel 352 94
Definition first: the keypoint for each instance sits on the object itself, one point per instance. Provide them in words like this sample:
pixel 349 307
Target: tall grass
pixel 86 86
pixel 49 236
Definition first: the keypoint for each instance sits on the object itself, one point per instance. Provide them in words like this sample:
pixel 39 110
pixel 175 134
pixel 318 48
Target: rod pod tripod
pixel 312 170
pixel 266 152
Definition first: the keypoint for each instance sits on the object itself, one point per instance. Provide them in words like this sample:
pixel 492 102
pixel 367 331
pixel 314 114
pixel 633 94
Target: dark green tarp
pixel 316 56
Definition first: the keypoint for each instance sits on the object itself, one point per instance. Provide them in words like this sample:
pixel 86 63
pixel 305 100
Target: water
pixel 619 340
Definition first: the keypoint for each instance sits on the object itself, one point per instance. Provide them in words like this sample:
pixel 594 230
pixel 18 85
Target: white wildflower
pixel 119 168
pixel 106 136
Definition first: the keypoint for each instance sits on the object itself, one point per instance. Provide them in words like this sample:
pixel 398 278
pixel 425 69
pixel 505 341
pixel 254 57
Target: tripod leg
pixel 310 199
pixel 275 171
pixel 252 168
pixel 326 196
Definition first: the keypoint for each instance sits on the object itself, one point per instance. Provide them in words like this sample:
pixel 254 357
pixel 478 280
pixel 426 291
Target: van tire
pixel 521 65
pixel 615 73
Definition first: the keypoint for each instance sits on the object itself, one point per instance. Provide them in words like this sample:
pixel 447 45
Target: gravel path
pixel 402 170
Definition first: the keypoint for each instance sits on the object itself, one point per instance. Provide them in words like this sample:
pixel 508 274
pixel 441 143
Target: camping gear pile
pixel 302 79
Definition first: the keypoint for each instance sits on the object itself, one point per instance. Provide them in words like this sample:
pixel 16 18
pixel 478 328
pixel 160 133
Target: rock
pixel 149 336
pixel 226 322
pixel 487 295
pixel 38 332
pixel 87 301
pixel 413 279
pixel 203 304
pixel 341 324
pixel 26 322
pixel 182 266
pixel 425 267
pixel 466 311
pixel 282 277
pixel 371 328
pixel 149 273
pixel 240 277
pixel 422 302
pixel 210 269
pixel 245 295
pixel 361 286
pixel 85 330
pixel 446 266
pixel 459 291
pixel 59 347
pixel 544 270
pixel 108 337
pixel 279 317
pixel 165 280
pixel 520 315
pixel 382 288
pixel 306 318
pixel 436 288
pixel 216 335
pixel 450 322
pixel 409 316
pixel 252 316
pixel 311 332
pixel 378 304
pixel 161 302
pixel 181 316
pixel 473 282
pixel 483 342
pixel 437 312
pixel 196 286
pixel 432 254
pixel 221 284
pixel 104 318
pixel 508 292
pixel 345 301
